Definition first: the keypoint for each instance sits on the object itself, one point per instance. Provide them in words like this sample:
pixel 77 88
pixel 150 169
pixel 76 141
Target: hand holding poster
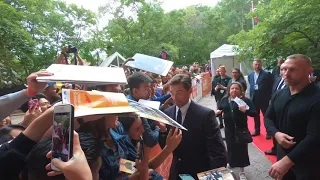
pixel 96 102
pixel 84 75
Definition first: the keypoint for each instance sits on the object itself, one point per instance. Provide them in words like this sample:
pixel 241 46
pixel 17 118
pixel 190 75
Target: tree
pixel 15 45
pixel 288 27
pixel 32 32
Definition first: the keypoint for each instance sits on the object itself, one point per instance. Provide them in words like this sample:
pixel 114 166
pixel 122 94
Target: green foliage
pixel 32 32
pixel 288 27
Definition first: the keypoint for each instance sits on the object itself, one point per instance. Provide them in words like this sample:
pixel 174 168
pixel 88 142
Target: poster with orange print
pixel 96 102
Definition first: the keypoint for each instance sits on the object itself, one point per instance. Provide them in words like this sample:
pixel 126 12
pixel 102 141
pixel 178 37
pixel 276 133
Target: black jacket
pixel 201 148
pixel 13 155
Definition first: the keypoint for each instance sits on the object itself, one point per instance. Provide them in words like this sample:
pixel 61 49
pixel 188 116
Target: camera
pixel 72 49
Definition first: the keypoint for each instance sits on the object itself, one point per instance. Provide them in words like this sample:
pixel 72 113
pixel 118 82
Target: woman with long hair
pixel 235 115
pixel 120 140
pixel 237 76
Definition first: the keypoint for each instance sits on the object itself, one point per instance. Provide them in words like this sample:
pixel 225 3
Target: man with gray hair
pixel 293 119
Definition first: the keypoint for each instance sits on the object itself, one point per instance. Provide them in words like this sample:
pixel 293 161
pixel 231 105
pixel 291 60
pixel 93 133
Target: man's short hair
pixel 301 56
pixel 181 79
pixel 36 160
pixel 257 60
pixel 138 78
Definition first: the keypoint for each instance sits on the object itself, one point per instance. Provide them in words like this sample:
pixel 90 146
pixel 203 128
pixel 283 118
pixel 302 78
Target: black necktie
pixel 179 117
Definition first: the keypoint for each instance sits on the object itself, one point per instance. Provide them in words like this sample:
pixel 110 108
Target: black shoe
pixel 221 126
pixel 256 133
pixel 270 152
pixel 268 137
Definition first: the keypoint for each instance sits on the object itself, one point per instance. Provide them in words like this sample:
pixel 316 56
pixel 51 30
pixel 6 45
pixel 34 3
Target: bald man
pixel 293 119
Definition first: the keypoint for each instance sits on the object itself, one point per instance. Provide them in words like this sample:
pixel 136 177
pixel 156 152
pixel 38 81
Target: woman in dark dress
pixel 237 152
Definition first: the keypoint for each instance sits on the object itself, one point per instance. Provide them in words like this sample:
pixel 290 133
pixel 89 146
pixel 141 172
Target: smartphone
pixel 140 149
pixel 186 177
pixel 33 103
pixel 62 134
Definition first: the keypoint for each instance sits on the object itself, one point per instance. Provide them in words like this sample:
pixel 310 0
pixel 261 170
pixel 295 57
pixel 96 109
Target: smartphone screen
pixel 62 134
pixel 140 152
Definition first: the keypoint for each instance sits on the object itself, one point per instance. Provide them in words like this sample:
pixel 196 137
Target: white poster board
pixel 91 75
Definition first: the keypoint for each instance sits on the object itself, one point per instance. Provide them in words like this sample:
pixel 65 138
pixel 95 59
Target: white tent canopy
pixel 114 60
pixel 226 55
pixel 224 50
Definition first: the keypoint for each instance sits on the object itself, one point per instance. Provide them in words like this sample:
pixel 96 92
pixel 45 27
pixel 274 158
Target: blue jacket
pixel 110 159
pixel 133 152
pixel 161 98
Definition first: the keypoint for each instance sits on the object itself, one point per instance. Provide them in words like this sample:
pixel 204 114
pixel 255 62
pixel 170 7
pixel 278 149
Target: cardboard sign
pixel 96 102
pixel 150 64
pixel 90 75
pixel 154 114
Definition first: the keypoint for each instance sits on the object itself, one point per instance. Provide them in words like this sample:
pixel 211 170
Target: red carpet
pixel 260 141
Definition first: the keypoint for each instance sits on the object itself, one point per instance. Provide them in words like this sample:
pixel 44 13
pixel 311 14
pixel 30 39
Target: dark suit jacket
pixel 265 84
pixel 276 83
pixel 201 147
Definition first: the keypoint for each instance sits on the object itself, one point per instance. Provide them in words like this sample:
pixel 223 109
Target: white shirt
pixel 183 110
pixel 256 76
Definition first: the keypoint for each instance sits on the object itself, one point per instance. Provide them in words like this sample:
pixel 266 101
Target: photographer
pixel 64 57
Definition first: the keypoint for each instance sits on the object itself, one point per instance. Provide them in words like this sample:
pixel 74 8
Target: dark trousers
pixel 274 147
pixel 220 120
pixel 263 107
pixel 302 171
pixel 220 116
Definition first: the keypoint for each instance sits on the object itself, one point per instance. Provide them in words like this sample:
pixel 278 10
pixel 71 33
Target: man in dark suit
pixel 277 85
pixel 276 71
pixel 260 92
pixel 202 147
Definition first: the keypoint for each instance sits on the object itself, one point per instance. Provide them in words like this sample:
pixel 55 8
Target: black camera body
pixel 72 49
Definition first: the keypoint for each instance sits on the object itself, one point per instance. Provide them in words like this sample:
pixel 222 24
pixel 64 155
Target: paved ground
pixel 258 170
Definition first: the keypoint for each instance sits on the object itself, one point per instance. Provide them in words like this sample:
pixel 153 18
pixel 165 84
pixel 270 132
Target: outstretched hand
pixel 33 84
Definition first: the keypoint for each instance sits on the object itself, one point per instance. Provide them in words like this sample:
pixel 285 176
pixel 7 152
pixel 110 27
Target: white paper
pixel 153 104
pixel 92 75
pixel 240 102
pixel 150 64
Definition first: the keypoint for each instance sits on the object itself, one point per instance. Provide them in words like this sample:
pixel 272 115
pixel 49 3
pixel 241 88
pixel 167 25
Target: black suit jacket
pixel 265 84
pixel 201 147
pixel 276 83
